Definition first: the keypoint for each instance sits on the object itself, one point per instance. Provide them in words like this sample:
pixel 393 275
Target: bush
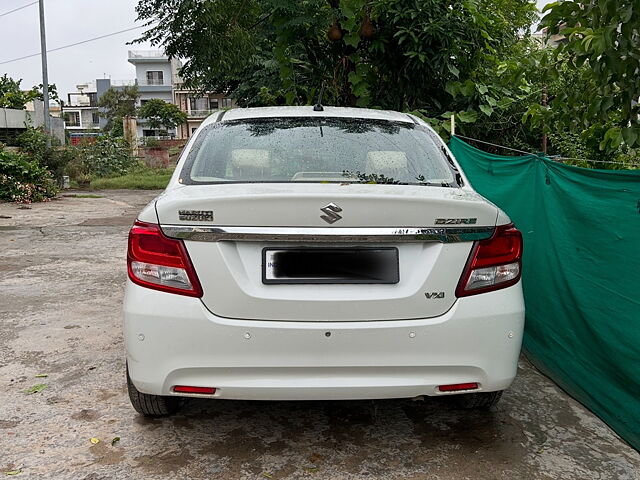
pixel 107 156
pixel 584 150
pixel 54 158
pixel 151 142
pixel 23 180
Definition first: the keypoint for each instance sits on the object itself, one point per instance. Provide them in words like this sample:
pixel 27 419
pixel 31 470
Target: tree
pixel 602 40
pixel 434 58
pixel 12 95
pixel 115 104
pixel 382 53
pixel 159 113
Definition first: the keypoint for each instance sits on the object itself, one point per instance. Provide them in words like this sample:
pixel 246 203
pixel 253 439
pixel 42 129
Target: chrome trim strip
pixel 322 235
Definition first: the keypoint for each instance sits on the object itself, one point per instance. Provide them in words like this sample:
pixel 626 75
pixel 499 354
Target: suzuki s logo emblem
pixel 331 213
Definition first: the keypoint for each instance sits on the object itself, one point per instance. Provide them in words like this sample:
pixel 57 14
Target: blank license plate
pixel 330 265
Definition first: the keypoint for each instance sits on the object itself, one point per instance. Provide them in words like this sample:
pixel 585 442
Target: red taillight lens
pixel 190 389
pixel 161 263
pixel 493 264
pixel 456 387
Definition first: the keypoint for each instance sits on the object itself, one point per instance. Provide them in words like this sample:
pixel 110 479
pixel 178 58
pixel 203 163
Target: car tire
pixel 479 401
pixel 151 405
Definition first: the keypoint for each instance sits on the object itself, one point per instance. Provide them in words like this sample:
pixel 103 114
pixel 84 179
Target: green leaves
pixel 115 104
pixel 616 136
pixel 386 53
pixel 467 117
pixel 452 68
pixel 13 96
pixel 23 180
pixel 630 135
pixel 159 113
pixel 600 37
pixel 36 389
pixel 486 109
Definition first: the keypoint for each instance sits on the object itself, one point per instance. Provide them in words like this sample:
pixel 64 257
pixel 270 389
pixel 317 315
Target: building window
pixel 72 119
pixel 149 133
pixel 95 118
pixel 213 104
pixel 192 104
pixel 226 103
pixel 155 78
pixel 142 102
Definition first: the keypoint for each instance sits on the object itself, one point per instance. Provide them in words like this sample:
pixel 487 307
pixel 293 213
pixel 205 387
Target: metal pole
pixel 45 73
pixel 544 132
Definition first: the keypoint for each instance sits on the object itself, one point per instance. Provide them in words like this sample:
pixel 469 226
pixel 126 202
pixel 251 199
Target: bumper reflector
pixel 458 386
pixel 188 389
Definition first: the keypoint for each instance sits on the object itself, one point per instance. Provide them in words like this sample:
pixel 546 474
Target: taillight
pixel 159 262
pixel 493 264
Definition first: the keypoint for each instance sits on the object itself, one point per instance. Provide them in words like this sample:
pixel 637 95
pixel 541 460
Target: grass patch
pixel 140 179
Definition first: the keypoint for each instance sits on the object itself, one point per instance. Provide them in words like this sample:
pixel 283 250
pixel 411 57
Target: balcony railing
pixel 85 125
pixel 122 83
pixel 80 103
pixel 146 54
pixel 200 113
pixel 155 81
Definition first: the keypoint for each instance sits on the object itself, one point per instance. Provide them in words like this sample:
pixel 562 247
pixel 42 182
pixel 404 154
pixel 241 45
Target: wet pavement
pixel 62 272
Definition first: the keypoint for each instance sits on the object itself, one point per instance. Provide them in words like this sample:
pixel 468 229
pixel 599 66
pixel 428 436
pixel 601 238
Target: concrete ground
pixel 62 270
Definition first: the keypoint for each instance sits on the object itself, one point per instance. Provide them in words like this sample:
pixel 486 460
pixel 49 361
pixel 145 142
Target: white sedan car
pixel 327 253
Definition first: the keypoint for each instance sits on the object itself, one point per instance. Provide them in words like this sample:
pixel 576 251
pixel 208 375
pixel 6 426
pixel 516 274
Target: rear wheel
pixel 482 400
pixel 151 405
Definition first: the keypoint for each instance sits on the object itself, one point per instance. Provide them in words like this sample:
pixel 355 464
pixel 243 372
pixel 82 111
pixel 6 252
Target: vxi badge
pixel 456 221
pixel 432 295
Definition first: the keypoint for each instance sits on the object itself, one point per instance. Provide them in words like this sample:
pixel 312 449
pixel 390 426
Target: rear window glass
pixel 318 150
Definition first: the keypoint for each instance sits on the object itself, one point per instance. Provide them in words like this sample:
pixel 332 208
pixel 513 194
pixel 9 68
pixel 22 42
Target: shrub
pixel 23 180
pixel 54 158
pixel 78 169
pixel 151 142
pixel 106 156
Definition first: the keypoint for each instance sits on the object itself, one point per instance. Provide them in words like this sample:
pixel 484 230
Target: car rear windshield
pixel 318 150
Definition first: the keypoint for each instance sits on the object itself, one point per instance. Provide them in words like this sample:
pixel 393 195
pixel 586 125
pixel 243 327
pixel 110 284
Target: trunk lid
pixel 231 271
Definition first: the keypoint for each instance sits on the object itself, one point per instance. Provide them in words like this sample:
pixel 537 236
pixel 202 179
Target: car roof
pixel 307 111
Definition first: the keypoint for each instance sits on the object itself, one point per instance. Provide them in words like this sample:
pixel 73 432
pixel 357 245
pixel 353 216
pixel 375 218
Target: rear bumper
pixel 174 340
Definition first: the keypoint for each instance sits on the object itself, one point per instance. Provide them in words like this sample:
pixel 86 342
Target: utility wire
pixel 495 145
pixel 19 8
pixel 74 44
pixel 552 157
pixel 562 159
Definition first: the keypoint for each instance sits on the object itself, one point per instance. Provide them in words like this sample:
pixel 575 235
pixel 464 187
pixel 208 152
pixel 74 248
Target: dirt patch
pixel 86 415
pixel 6 424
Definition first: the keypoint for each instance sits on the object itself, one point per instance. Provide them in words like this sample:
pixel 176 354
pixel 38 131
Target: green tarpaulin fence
pixel 581 274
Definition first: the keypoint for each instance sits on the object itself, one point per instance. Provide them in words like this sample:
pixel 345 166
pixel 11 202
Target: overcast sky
pixel 70 21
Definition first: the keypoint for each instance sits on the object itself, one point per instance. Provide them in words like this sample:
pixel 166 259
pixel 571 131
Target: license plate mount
pixel 330 265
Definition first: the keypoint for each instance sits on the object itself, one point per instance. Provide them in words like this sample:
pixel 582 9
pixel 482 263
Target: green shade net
pixel 581 274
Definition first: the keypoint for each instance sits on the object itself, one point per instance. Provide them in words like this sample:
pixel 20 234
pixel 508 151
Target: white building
pixel 80 113
pixel 155 75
